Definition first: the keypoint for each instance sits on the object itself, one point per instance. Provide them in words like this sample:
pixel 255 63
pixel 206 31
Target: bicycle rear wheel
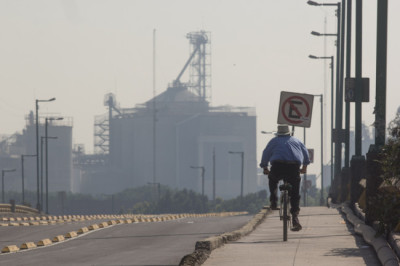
pixel 285 215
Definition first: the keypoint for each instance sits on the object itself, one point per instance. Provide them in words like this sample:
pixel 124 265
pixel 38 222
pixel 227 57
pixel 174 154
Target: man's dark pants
pixel 291 172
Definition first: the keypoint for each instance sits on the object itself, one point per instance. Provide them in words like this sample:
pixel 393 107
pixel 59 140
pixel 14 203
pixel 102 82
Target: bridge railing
pixel 5 207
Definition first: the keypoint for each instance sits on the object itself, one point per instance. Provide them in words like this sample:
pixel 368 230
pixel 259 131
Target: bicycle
pixel 284 210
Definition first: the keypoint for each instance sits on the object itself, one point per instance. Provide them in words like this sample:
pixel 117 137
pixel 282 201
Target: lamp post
pixel 202 177
pixel 43 140
pixel 2 181
pixel 241 179
pixel 47 157
pixel 37 149
pixel 23 176
pixel 331 58
pixel 339 82
pixel 321 201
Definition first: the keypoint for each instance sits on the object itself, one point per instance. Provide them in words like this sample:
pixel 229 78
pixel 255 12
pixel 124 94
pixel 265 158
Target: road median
pixel 203 248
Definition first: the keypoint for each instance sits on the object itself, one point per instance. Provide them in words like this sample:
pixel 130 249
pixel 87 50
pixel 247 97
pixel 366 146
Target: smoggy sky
pixel 79 50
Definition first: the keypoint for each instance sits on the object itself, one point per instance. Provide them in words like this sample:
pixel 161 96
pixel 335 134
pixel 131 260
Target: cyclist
pixel 285 154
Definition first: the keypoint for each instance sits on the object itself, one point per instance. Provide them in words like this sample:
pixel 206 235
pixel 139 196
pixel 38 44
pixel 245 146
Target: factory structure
pixel 18 155
pixel 177 139
pixel 171 137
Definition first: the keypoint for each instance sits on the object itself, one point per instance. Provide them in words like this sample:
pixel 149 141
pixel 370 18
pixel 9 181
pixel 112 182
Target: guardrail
pixel 18 209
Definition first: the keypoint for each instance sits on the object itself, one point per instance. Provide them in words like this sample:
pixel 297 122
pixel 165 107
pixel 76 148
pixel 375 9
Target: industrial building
pixel 167 139
pixel 19 150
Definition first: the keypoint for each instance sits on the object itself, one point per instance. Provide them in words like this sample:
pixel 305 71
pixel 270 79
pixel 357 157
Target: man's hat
pixel 283 130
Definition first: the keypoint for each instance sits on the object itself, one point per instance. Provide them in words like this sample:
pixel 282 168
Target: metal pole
pixel 41 170
pixel 241 181
pixel 338 145
pixel 37 157
pixel 358 91
pixel 332 89
pixel 348 75
pixel 2 186
pixel 23 179
pixel 2 182
pixel 154 108
pixel 381 66
pixel 340 94
pixel 214 174
pixel 202 181
pixel 47 168
pixel 322 151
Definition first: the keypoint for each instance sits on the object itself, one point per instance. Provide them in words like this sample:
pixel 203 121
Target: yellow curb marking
pixel 58 238
pixel 8 249
pixel 44 242
pixel 28 245
pixel 93 227
pixel 83 230
pixel 71 234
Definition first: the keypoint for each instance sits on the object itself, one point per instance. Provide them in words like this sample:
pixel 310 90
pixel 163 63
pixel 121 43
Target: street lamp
pixel 2 181
pixel 241 180
pixel 315 33
pixel 47 158
pixel 339 82
pixel 43 140
pixel 22 174
pixel 312 3
pixel 321 201
pixel 202 177
pixel 37 149
pixel 331 58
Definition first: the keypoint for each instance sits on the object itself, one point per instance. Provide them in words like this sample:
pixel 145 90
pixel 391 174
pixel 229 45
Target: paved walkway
pixel 326 239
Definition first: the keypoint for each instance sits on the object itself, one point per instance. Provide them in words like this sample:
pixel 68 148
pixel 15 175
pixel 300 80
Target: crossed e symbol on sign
pixel 293 111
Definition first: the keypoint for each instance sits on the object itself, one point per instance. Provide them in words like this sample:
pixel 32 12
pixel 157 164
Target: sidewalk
pixel 326 239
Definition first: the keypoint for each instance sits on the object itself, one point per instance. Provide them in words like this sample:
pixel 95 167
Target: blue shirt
pixel 285 148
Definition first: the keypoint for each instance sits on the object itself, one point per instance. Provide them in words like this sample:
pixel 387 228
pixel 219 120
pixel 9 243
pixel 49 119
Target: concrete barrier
pixel 83 230
pixel 44 242
pixel 58 238
pixel 71 234
pixel 9 249
pixel 204 247
pixel 381 246
pixel 28 245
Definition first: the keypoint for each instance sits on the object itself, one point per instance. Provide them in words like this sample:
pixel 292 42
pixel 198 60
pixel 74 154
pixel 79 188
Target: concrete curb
pixel 382 248
pixel 204 247
pixel 394 241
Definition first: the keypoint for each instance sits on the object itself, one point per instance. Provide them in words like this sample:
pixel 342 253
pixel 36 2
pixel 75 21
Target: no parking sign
pixel 295 109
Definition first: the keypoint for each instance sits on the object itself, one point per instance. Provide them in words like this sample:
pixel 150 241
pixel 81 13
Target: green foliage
pixel 144 200
pixel 391 160
pixel 385 207
pixel 386 210
pixel 251 203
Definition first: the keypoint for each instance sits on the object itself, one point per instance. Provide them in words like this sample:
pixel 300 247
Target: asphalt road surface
pixel 156 243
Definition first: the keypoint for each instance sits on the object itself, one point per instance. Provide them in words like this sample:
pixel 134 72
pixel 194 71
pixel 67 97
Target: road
pixel 156 243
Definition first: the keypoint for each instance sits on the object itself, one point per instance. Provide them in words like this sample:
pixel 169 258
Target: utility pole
pixel 214 174
pixel 242 175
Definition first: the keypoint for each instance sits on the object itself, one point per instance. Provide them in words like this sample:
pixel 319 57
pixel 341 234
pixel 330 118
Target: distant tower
pixel 102 129
pixel 200 65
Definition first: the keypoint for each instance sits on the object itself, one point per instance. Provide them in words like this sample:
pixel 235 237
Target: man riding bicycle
pixel 286 154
